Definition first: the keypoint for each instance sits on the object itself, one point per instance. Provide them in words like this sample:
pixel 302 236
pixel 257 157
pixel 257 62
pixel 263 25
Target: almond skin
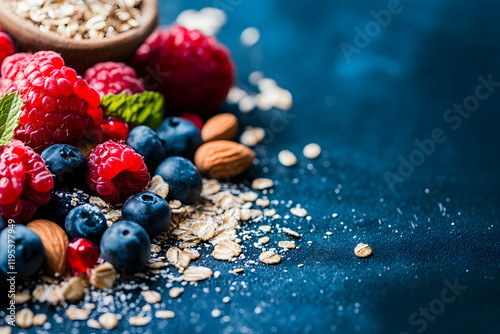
pixel 223 159
pixel 220 127
pixel 54 241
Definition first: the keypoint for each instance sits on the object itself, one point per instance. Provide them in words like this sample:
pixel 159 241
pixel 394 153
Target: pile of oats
pixel 80 19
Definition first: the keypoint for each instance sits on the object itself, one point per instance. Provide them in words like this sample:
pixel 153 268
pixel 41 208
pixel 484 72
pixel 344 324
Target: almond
pixel 223 159
pixel 220 127
pixel 54 241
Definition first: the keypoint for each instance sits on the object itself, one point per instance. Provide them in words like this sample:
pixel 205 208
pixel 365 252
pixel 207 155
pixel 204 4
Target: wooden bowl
pixel 80 54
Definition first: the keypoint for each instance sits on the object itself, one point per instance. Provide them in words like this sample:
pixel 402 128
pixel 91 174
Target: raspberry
pixel 192 71
pixel 113 78
pixel 116 172
pixel 59 107
pixel 25 182
pixel 6 46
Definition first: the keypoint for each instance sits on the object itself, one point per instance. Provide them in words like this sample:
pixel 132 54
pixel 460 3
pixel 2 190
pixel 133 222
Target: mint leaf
pixel 145 108
pixel 10 111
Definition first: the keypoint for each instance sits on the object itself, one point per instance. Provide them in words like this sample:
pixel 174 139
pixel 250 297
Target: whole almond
pixel 220 127
pixel 54 241
pixel 222 159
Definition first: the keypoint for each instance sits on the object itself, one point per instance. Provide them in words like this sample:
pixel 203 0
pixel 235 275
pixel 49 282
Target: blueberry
pixel 60 204
pixel 86 221
pixel 180 137
pixel 2 224
pixel 126 245
pixel 67 164
pixel 145 142
pixel 149 210
pixel 183 179
pixel 29 251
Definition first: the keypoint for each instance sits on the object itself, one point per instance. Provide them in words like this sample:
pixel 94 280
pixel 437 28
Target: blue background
pixel 365 114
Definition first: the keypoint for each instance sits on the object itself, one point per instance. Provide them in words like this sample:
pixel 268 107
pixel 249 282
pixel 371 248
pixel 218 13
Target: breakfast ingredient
pixel 183 179
pixel 113 78
pixel 312 151
pixel 58 106
pixel 145 142
pixel 116 172
pixel 144 108
pixel 180 137
pixel 194 274
pixel 287 158
pixel 108 321
pixel 86 221
pixel 6 46
pixel 25 183
pixel 126 245
pixel 24 318
pixel 193 118
pixel 262 183
pixel 269 257
pixel 286 244
pixel 223 159
pixel 149 210
pixel 82 254
pixel 28 252
pixel 195 72
pixel 114 129
pixel 102 276
pixel 54 241
pixel 80 19
pixel 252 136
pixel 220 127
pixel 362 250
pixel 298 211
pixel 67 164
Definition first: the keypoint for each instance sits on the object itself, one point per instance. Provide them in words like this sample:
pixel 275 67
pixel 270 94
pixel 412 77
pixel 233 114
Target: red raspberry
pixel 114 78
pixel 59 107
pixel 25 182
pixel 6 46
pixel 192 71
pixel 116 172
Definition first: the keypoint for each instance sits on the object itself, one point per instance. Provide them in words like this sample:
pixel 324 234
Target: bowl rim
pixel 9 19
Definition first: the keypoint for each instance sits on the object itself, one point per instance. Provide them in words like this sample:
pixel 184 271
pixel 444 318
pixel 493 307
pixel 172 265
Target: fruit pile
pixel 63 136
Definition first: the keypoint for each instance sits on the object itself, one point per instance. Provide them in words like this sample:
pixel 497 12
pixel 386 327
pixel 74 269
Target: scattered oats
pixel 291 232
pixel 235 95
pixel 146 308
pixel 192 253
pixel 252 136
pixel 103 276
pixel 22 297
pixel 312 151
pixel 89 306
pixel 92 323
pixel 246 104
pixel 249 196
pixel 39 319
pixel 203 230
pixel 175 292
pixel 269 212
pixel 155 265
pixel 226 300
pixel 300 265
pixel 237 271
pixel 151 297
pixel 261 184
pixel 263 240
pixel 257 310
pixel 250 36
pixel 210 187
pixel 363 250
pixel 159 186
pixel 287 158
pixel 216 313
pixel 77 314
pixel 139 320
pixel 299 212
pixel 269 257
pixel 286 244
pixel 178 258
pixel 217 274
pixel 108 321
pixel 155 248
pixel 265 228
pixel 175 204
pixel 73 289
pixel 226 250
pixel 24 318
pixel 48 293
pixel 193 274
pixel 264 203
pixel 164 314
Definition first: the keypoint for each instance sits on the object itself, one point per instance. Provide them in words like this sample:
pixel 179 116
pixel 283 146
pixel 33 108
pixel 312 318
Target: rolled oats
pixel 103 276
pixel 287 158
pixel 269 257
pixel 108 321
pixel 312 151
pixel 22 297
pixel 291 232
pixel 263 240
pixel 286 244
pixel 298 211
pixel 261 184
pixel 77 314
pixel 362 250
pixel 92 323
pixel 164 314
pixel 151 297
pixel 178 258
pixel 252 136
pixel 193 274
pixel 175 292
pixel 264 203
pixel 159 186
pixel 139 320
pixel 39 319
pixel 24 318
pixel 265 228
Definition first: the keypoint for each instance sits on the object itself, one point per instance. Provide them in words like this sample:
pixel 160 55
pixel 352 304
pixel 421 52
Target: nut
pixel 222 159
pixel 220 127
pixel 54 241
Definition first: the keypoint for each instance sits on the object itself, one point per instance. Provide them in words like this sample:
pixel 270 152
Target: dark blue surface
pixel 365 114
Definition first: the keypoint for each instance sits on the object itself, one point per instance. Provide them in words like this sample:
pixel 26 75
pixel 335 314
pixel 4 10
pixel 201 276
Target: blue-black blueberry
pixel 183 179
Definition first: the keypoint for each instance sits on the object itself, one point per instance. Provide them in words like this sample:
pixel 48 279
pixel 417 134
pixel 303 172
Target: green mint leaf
pixel 145 108
pixel 10 111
